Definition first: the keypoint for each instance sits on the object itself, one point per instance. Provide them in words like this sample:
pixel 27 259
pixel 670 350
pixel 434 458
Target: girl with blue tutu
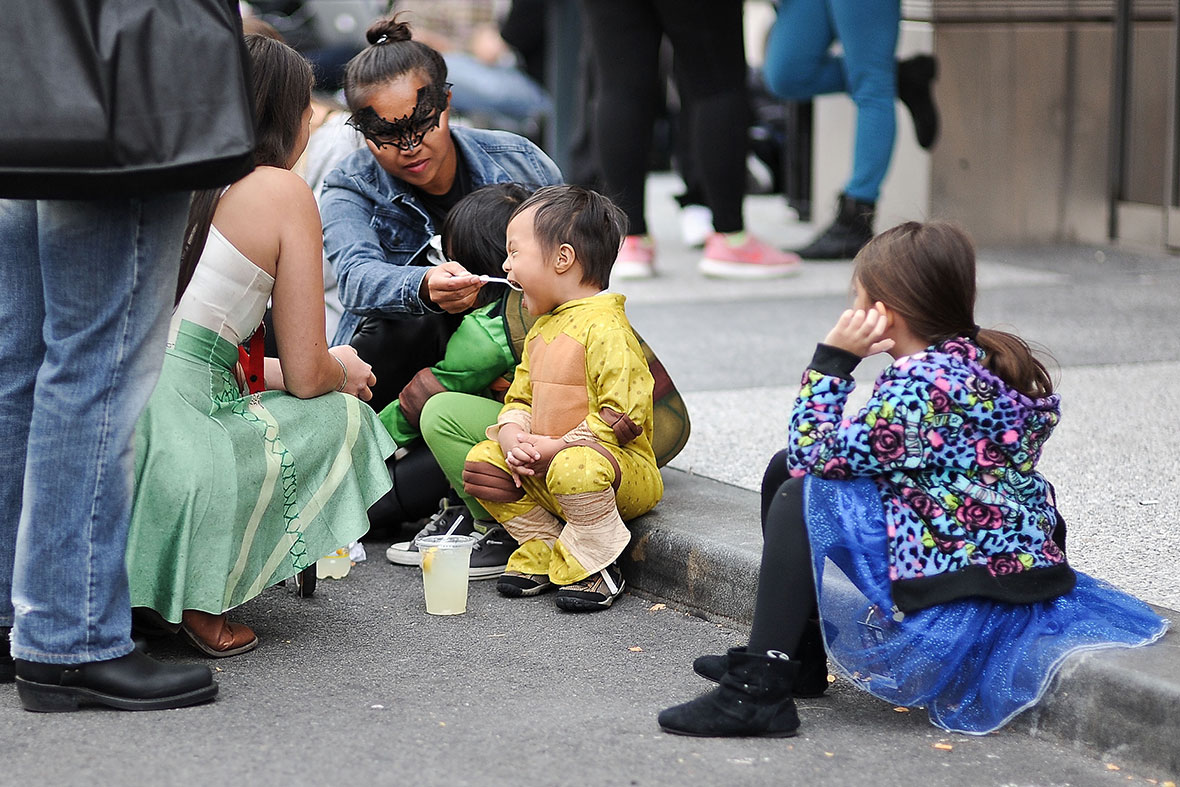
pixel 914 544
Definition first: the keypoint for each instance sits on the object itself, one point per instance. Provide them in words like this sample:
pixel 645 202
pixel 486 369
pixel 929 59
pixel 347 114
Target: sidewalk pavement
pixel 1108 316
pixel 358 684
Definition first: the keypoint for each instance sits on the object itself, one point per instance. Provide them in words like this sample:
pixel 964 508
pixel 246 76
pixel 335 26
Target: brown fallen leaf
pixel 900 709
pixel 657 607
pixel 635 649
pixel 944 746
pixel 1110 766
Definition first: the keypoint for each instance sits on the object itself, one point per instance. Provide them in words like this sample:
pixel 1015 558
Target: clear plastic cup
pixel 446 561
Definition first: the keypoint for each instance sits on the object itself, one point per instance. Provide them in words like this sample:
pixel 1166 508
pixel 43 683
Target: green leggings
pixel 451 424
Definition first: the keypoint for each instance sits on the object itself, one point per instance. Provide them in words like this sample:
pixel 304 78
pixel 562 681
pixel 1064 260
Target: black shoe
pixel 753 699
pixel 132 682
pixel 847 235
pixel 595 592
pixel 489 556
pixel 7 665
pixel 812 680
pixel 515 585
pixel 913 88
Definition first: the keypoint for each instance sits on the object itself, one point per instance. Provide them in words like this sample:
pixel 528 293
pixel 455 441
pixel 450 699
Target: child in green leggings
pixel 458 394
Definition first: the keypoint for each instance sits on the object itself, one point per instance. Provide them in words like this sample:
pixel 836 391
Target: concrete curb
pixel 700 550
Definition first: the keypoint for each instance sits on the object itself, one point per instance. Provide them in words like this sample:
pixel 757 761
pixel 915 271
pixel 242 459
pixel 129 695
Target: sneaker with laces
pixel 595 592
pixel 405 553
pixel 636 258
pixel 489 556
pixel 514 584
pixel 751 259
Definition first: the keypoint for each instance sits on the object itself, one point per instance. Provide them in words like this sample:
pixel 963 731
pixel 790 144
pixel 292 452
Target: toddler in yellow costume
pixel 573 441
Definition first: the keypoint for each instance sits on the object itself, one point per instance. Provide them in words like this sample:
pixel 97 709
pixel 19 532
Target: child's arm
pixel 623 384
pixel 884 436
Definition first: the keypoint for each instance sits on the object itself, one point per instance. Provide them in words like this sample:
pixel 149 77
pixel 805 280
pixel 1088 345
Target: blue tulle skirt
pixel 973 663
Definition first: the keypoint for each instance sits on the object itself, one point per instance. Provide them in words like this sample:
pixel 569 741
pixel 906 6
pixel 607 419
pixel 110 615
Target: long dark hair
pixel 926 273
pixel 391 53
pixel 475 230
pixel 280 81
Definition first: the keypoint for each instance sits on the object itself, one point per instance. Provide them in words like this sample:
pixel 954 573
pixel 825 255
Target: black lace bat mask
pixel 408 131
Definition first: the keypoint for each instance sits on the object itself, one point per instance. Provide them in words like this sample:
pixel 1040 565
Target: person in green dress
pixel 247 473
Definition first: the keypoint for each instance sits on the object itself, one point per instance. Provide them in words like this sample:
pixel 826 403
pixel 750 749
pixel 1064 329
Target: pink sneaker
pixel 636 258
pixel 753 259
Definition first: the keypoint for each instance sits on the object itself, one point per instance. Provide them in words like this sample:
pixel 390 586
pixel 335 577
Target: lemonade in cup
pixel 446 561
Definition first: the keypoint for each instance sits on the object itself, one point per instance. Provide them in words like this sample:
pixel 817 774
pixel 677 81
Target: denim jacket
pixel 374 226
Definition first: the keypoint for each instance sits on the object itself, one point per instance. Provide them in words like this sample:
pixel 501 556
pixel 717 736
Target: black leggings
pixel 710 70
pixel 786 588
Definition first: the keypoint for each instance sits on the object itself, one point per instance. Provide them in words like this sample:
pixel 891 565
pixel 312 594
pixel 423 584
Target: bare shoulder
pixel 259 211
pixel 271 189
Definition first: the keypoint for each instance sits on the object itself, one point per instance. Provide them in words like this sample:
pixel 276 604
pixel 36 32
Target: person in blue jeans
pixel 383 208
pixel 85 292
pixel 799 65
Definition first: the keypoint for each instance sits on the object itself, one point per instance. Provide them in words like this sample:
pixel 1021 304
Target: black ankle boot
pixel 851 230
pixel 753 699
pixel 7 666
pixel 812 680
pixel 132 682
pixel 913 88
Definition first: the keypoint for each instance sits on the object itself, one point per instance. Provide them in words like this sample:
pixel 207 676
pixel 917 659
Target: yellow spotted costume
pixel 584 379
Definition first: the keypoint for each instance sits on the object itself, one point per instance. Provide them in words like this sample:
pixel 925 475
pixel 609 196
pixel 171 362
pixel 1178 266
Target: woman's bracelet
pixel 344 369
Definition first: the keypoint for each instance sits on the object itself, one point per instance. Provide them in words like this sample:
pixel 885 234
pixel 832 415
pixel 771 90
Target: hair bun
pixel 385 31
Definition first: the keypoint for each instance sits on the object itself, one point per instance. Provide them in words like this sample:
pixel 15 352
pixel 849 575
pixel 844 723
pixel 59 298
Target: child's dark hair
pixel 390 54
pixel 281 80
pixel 474 231
pixel 586 220
pixel 926 273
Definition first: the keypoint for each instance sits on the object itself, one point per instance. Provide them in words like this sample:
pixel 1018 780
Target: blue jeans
pixel 799 66
pixel 85 294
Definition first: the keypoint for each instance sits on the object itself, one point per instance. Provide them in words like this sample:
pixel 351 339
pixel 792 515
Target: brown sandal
pixel 215 636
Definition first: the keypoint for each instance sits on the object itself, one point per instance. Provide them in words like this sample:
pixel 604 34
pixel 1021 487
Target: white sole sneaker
pixel 727 269
pixel 400 554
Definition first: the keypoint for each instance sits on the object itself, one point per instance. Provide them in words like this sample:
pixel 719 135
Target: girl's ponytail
pixel 1012 360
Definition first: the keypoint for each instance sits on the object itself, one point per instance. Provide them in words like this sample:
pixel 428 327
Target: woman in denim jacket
pixel 384 203
pixel 382 209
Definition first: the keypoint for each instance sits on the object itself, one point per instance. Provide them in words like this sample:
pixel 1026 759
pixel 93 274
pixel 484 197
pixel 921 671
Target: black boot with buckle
pixel 753 699
pixel 851 230
pixel 812 680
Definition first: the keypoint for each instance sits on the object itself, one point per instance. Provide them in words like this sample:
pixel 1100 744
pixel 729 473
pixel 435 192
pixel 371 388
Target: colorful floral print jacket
pixel 952 449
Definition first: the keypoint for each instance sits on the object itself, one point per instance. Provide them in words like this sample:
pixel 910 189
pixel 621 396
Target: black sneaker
pixel 595 592
pixel 489 556
pixel 515 585
pixel 405 553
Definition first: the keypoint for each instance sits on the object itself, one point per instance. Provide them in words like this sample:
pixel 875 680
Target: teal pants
pixel 451 424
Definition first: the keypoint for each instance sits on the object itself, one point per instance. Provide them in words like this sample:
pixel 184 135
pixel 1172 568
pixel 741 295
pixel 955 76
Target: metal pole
pixel 1119 93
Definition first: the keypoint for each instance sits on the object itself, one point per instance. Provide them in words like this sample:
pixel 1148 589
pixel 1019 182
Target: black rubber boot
pixel 753 699
pixel 7 667
pixel 913 88
pixel 851 230
pixel 812 680
pixel 132 682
